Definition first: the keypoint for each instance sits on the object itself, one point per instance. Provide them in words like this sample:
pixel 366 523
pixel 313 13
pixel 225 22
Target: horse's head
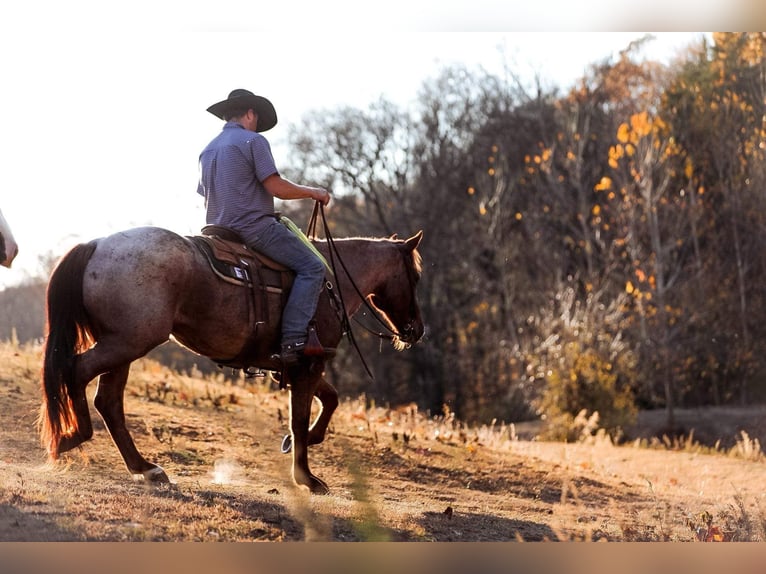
pixel 396 298
pixel 8 247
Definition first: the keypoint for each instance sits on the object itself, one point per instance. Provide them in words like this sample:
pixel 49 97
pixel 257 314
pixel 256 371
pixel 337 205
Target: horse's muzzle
pixel 7 259
pixel 412 332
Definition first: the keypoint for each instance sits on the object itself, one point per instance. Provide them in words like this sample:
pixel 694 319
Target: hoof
pixel 68 443
pixel 154 475
pixel 318 486
pixel 314 484
pixel 287 444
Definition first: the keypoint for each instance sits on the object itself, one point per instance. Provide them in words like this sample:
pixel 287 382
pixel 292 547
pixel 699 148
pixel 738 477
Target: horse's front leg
pixel 328 397
pixel 303 384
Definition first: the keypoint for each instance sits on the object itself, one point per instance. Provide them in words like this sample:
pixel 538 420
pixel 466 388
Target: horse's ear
pixel 413 242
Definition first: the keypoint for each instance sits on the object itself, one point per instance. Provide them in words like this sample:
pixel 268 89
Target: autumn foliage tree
pixel 638 191
pixel 717 109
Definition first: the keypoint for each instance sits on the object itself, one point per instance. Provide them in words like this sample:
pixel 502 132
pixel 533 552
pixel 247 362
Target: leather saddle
pixel 230 256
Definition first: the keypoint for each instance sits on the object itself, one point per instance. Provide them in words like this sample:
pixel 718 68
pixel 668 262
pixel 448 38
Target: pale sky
pixel 102 112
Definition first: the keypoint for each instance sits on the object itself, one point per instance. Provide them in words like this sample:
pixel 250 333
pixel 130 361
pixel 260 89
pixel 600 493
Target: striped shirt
pixel 232 168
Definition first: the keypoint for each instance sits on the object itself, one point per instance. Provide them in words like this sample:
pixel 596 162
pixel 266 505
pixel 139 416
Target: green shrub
pixel 583 369
pixel 586 382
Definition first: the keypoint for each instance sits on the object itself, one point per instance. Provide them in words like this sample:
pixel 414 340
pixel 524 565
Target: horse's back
pixel 150 282
pixel 140 256
pixel 138 275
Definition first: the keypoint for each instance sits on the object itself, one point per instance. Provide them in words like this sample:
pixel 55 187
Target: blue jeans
pixel 281 245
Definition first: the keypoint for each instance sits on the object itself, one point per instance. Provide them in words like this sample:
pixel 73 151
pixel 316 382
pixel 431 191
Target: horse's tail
pixel 68 333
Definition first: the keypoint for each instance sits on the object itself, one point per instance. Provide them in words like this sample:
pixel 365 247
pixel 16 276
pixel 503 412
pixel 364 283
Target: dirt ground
pixel 394 475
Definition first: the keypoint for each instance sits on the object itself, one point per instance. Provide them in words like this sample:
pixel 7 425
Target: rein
pixel 311 233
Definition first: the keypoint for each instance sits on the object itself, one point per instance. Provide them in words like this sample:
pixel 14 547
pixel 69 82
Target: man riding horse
pixel 111 300
pixel 239 181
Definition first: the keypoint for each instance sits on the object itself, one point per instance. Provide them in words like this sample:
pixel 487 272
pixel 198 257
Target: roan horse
pixel 8 247
pixel 112 300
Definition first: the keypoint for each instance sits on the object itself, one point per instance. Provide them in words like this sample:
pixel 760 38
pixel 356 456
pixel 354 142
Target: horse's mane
pixel 417 260
pixel 417 263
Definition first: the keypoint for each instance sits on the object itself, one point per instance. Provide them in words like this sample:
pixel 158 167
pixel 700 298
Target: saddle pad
pixel 235 262
pixel 224 261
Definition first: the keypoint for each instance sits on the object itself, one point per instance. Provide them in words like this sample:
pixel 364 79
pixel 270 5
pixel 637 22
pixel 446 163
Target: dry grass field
pixel 395 475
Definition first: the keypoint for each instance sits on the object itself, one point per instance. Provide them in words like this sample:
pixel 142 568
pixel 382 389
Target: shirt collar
pixel 232 124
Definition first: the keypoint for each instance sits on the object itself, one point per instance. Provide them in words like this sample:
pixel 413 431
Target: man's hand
pixel 323 196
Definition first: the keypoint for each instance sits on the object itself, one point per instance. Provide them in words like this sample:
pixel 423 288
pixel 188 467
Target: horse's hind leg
pixel 84 427
pixel 109 403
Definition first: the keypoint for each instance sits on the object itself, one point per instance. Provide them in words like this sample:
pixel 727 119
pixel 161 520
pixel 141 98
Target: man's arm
pixel 282 188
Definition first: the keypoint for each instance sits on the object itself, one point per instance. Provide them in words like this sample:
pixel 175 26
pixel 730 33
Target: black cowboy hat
pixel 243 99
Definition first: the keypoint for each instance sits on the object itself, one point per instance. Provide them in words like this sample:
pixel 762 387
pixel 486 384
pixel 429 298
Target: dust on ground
pixel 395 475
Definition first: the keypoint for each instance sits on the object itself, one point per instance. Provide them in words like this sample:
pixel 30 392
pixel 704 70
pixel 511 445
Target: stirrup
pixel 314 347
pixel 292 353
pixel 313 344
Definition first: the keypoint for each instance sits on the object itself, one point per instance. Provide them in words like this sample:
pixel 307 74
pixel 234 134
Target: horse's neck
pixel 364 262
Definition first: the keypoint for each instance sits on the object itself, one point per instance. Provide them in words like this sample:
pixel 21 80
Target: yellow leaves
pixel 640 124
pixel 616 152
pixel 630 135
pixel 543 158
pixel 481 308
pixel 753 52
pixel 604 184
pixel 623 133
pixel 635 291
pixel 471 191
